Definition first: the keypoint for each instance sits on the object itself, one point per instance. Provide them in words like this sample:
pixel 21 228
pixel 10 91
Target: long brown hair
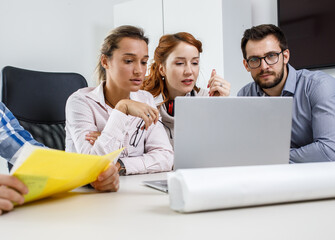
pixel 154 83
pixel 111 43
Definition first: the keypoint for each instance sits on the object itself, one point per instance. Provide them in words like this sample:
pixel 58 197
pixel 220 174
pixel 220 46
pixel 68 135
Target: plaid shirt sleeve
pixel 12 134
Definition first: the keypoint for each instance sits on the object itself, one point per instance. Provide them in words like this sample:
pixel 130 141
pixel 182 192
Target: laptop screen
pixel 231 131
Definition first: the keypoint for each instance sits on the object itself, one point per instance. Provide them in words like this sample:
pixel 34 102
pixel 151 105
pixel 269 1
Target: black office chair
pixel 37 100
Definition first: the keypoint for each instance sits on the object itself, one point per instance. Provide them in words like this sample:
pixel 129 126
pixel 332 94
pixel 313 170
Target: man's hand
pixel 108 181
pixel 11 191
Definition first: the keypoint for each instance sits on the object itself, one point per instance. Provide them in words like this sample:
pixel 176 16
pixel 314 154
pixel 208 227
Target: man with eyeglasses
pixel 266 55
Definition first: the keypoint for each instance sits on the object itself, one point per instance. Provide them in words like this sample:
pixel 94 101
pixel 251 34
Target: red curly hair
pixel 167 43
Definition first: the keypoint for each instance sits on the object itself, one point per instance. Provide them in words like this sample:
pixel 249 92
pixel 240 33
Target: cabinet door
pixel 146 14
pixel 236 19
pixel 203 19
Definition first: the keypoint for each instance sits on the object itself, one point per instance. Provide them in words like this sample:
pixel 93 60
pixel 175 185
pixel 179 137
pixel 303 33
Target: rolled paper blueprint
pixel 192 190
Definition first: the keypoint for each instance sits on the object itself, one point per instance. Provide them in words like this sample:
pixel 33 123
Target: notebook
pixel 230 131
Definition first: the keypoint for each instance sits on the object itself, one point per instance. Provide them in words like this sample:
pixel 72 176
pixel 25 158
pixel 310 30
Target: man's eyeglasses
pixel 136 137
pixel 270 59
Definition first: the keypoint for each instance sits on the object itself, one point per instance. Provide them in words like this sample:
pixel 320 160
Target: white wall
pixel 152 24
pixel 233 28
pixel 54 35
pixel 264 11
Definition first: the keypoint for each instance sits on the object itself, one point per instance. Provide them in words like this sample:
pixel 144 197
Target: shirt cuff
pixel 117 124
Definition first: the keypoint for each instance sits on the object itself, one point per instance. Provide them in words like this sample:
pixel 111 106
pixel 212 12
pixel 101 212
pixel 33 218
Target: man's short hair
pixel 260 32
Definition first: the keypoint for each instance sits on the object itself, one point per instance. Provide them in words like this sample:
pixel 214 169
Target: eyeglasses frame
pixel 264 58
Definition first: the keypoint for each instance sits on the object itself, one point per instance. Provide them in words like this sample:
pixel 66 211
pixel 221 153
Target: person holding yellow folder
pixel 121 113
pixel 12 139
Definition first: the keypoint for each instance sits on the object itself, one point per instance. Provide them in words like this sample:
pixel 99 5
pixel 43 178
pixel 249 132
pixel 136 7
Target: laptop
pixel 230 131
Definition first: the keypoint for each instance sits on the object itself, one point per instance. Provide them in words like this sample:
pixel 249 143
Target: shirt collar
pixel 290 84
pixel 291 81
pixel 159 98
pixel 97 94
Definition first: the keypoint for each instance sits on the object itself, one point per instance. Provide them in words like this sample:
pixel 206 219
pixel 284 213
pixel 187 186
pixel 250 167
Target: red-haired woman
pixel 175 71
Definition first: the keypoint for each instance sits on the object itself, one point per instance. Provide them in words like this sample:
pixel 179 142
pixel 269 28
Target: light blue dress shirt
pixel 12 134
pixel 313 114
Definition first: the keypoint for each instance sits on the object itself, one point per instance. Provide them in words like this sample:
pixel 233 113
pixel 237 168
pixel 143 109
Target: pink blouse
pixel 87 111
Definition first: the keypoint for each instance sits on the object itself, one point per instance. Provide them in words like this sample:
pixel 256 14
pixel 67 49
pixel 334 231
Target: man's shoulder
pixel 3 109
pixel 316 76
pixel 315 79
pixel 2 106
pixel 248 90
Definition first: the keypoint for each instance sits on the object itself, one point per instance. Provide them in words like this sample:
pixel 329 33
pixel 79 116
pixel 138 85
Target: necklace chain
pixel 109 103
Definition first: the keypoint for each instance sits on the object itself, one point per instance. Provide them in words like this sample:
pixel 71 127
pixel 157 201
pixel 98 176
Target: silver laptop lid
pixel 231 131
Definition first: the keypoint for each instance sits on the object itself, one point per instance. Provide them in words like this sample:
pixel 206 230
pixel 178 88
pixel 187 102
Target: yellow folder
pixel 47 171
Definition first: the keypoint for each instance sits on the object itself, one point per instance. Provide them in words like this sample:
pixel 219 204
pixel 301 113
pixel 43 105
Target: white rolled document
pixel 192 190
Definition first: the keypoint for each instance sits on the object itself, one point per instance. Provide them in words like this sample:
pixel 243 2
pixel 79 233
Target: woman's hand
pixel 92 137
pixel 149 114
pixel 218 86
pixel 11 191
pixel 108 181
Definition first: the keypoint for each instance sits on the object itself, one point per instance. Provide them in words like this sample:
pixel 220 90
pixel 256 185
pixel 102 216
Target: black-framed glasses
pixel 136 137
pixel 270 59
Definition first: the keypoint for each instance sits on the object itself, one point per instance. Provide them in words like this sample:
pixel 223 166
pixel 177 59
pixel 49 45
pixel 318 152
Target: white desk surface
pixel 139 212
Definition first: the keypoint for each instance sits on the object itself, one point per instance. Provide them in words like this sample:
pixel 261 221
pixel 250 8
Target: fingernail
pixel 208 85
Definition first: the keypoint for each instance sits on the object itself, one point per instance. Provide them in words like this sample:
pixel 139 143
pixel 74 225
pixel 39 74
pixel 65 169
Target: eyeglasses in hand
pixel 136 137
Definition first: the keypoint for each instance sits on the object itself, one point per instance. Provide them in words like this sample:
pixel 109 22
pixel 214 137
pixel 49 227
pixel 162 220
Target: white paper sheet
pixel 192 190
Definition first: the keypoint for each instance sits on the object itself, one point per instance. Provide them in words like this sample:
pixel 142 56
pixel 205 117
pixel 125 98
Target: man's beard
pixel 266 85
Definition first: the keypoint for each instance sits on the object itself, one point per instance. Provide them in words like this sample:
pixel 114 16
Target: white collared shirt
pixel 87 111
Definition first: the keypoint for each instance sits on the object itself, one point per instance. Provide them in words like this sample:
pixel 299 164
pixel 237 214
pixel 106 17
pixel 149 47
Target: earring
pixel 163 78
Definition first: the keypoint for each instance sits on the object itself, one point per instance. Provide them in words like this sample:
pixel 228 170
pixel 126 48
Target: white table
pixel 139 212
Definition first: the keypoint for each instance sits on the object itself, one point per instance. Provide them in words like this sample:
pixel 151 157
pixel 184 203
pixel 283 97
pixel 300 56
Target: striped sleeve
pixel 12 134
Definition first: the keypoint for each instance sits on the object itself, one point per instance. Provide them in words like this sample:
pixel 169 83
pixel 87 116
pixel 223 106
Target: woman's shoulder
pixel 82 92
pixel 143 96
pixel 80 95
